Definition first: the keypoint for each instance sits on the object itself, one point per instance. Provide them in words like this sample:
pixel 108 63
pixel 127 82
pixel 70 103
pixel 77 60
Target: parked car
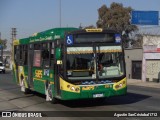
pixel 2 67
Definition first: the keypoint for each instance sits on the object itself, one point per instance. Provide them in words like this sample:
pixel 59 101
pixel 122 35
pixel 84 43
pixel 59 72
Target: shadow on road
pixel 129 98
pixel 117 100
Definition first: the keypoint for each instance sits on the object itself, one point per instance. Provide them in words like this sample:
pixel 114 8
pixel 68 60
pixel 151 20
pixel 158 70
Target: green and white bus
pixel 71 63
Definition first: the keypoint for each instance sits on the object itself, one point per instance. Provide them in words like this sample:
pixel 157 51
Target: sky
pixel 32 16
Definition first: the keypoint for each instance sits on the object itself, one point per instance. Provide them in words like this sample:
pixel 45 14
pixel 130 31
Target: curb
pixel 136 82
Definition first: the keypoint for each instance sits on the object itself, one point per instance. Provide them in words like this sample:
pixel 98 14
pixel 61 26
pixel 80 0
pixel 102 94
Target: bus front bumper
pixel 92 94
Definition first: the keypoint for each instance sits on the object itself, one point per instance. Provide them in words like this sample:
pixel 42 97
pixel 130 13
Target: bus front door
pixel 56 75
pixel 56 82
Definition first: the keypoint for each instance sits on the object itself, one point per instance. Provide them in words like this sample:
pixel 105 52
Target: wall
pixel 132 55
pixel 151 57
pixel 152 70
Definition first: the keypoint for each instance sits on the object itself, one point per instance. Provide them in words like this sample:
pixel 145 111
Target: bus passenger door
pixel 30 66
pixel 56 81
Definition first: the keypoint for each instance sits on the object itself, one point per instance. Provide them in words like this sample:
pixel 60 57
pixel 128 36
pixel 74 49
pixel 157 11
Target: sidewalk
pixel 141 83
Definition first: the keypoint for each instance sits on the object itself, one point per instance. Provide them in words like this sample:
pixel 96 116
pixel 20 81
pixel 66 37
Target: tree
pixel 117 18
pixel 138 41
pixel 3 43
pixel 90 27
pixel 87 27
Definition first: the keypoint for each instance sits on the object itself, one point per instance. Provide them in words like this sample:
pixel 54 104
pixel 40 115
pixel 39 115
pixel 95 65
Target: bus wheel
pixel 49 95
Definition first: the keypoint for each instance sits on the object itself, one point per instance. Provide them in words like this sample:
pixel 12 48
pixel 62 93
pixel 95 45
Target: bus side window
pixel 16 54
pixel 21 56
pixel 45 54
pixel 52 54
pixel 37 58
pixel 21 52
pixel 37 55
pixel 25 54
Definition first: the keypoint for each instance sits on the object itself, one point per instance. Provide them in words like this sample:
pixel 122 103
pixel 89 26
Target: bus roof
pixel 56 33
pixel 51 34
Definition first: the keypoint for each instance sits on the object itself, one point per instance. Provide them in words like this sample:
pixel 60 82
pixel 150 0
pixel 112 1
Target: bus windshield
pixel 84 63
pixel 110 65
pixel 80 63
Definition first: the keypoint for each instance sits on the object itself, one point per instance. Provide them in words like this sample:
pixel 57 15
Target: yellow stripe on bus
pixel 42 80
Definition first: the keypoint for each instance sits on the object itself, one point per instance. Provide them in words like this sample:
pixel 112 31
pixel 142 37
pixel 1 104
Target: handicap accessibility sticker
pixel 69 39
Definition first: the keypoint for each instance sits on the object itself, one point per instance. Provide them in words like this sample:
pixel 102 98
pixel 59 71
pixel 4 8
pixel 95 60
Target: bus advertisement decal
pixel 38 73
pixel 46 72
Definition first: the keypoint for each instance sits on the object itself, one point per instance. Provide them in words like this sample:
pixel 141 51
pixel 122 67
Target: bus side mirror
pixel 58 54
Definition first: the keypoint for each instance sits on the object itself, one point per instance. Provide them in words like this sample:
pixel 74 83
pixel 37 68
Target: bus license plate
pixel 98 95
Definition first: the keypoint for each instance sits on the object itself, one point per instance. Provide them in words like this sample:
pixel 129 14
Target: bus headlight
pixel 119 85
pixel 76 89
pixel 73 88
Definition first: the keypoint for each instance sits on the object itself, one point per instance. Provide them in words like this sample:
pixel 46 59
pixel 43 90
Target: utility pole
pixel 13 34
pixel 14 31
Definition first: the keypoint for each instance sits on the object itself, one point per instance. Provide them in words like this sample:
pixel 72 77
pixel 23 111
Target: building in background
pixel 151 58
pixel 133 59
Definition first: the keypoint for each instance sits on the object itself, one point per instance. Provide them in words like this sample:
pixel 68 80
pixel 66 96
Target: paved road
pixel 138 98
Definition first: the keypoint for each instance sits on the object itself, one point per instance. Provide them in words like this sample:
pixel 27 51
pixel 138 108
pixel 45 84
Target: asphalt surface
pixel 138 98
